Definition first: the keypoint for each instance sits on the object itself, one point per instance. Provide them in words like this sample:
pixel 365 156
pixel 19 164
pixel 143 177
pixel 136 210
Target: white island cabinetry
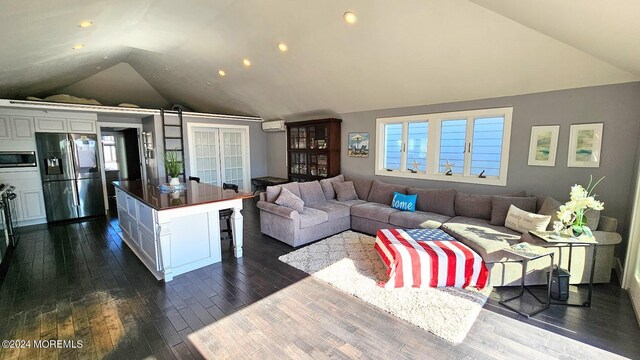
pixel 173 234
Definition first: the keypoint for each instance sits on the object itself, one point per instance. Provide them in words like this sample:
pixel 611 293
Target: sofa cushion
pixel 348 203
pixel 486 239
pixel 439 201
pixel 290 200
pixel 473 206
pixel 334 210
pixel 592 218
pixel 327 187
pixel 550 206
pixel 500 206
pixel 362 186
pixel 382 193
pixel 373 211
pixel 345 191
pixel 525 221
pixel 274 191
pixel 417 220
pixel 310 217
pixel 404 202
pixel 311 192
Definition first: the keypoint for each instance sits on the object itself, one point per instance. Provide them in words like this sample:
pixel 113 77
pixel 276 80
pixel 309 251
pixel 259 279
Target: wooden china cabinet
pixel 313 149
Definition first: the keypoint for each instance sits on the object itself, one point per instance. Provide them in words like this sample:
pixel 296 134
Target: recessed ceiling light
pixel 155 76
pixel 105 57
pixel 209 83
pixel 85 24
pixel 283 47
pixel 77 46
pixel 99 67
pixel 350 17
pixel 246 62
pixel 221 73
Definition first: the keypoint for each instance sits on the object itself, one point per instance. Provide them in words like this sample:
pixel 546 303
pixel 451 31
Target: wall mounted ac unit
pixel 277 125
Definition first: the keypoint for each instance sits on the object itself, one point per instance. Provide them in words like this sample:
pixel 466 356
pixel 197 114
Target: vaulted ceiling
pixel 399 53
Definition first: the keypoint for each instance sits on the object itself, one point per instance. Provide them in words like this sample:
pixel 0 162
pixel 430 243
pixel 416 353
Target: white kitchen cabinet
pixel 62 125
pixel 81 126
pixel 32 204
pixel 22 127
pixel 56 125
pixel 5 128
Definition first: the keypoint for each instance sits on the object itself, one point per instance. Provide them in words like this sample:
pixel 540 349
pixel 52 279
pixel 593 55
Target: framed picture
pixel 585 141
pixel 358 144
pixel 543 145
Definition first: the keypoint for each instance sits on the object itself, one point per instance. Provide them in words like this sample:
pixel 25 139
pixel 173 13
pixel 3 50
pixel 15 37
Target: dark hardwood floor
pixel 80 281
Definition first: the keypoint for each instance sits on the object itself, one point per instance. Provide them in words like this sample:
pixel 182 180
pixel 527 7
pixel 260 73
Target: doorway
pixel 631 278
pixel 120 154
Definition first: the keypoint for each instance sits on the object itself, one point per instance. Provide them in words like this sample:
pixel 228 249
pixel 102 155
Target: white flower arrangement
pixel 572 214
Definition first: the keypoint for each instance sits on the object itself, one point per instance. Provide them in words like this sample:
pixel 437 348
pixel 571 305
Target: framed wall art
pixel 358 144
pixel 585 141
pixel 543 145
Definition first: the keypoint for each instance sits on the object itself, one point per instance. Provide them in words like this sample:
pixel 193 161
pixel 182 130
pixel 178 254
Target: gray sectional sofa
pixel 466 217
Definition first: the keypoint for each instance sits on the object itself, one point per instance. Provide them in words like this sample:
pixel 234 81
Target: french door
pixel 220 155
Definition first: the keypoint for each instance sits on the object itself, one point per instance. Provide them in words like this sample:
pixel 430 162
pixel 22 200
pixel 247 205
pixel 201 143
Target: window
pixel 468 146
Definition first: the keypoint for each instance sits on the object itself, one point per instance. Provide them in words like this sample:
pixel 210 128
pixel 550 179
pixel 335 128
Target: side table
pixel 262 182
pixel 551 239
pixel 524 253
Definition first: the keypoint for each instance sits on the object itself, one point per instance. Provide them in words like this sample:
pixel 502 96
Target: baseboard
pixel 618 268
pixel 32 222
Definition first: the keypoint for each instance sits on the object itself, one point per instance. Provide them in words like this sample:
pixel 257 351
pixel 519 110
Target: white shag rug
pixel 349 262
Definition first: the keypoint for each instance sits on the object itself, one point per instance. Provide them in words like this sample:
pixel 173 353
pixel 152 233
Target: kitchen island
pixel 176 232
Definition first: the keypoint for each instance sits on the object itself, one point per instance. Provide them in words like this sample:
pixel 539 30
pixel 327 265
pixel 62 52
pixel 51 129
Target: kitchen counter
pixel 173 233
pixel 194 194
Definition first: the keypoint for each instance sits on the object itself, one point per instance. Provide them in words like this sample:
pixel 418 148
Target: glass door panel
pixel 207 158
pixel 233 158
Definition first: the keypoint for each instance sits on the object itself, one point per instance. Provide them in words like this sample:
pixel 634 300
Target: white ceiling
pixel 400 53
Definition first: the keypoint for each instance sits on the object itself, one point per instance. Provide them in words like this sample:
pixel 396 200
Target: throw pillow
pixel 404 202
pixel 524 221
pixel 290 200
pixel 327 187
pixel 345 190
pixel 500 207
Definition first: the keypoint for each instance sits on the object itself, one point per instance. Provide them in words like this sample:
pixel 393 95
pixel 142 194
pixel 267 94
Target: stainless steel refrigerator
pixel 71 178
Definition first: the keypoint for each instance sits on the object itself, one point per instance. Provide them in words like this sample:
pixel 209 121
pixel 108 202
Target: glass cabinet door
pixel 298 163
pixel 318 137
pixel 298 138
pixel 323 165
pixel 313 165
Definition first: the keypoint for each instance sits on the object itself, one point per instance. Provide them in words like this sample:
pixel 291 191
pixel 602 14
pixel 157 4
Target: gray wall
pixel 617 106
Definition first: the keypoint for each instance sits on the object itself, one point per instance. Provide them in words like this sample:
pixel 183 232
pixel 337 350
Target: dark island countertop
pixel 194 194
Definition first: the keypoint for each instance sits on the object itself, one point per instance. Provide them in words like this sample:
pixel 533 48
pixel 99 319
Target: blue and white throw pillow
pixel 404 202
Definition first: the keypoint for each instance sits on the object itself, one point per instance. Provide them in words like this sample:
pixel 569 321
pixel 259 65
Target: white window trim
pixel 433 149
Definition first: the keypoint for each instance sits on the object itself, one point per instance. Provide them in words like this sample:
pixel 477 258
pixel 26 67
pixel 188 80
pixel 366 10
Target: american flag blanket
pixel 429 257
